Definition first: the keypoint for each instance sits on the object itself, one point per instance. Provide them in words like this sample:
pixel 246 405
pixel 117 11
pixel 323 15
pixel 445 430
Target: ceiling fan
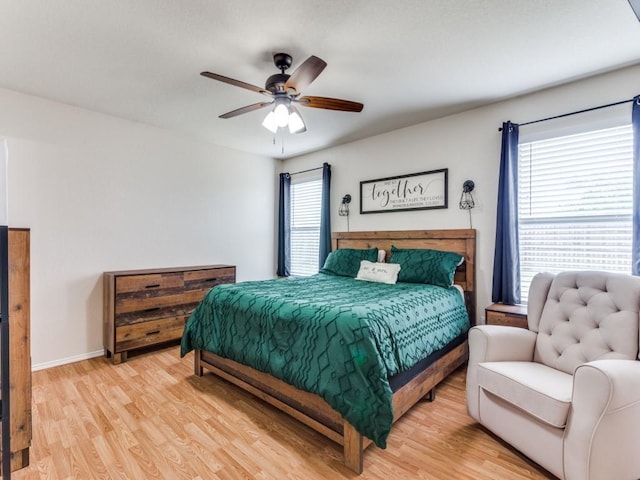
pixel 284 91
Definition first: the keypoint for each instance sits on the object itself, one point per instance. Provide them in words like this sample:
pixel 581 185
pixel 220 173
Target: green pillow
pixel 434 267
pixel 346 261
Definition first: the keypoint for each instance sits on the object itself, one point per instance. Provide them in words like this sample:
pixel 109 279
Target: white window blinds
pixel 306 199
pixel 575 197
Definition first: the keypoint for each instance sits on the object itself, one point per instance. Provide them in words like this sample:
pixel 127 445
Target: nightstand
pixel 510 315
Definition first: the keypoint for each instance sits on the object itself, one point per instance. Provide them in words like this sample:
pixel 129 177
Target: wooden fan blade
pixel 236 83
pixel 305 74
pixel 248 108
pixel 330 104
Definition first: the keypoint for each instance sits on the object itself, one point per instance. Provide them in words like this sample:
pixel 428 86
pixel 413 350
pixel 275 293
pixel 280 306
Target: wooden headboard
pixel 459 241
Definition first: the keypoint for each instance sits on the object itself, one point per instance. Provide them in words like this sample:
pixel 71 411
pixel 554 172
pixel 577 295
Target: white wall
pixel 100 193
pixel 468 144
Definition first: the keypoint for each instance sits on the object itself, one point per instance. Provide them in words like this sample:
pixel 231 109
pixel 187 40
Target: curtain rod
pixel 575 113
pixel 305 171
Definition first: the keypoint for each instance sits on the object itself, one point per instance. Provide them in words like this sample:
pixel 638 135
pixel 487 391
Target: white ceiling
pixel 408 61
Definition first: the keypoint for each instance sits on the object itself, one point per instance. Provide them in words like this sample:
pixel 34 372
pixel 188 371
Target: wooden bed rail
pixel 313 411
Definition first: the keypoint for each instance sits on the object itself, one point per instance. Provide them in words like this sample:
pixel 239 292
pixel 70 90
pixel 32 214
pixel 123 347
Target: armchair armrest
pixel 495 343
pixel 603 429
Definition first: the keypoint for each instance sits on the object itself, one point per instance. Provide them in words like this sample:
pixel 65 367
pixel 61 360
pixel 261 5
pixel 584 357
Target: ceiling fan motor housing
pixel 275 83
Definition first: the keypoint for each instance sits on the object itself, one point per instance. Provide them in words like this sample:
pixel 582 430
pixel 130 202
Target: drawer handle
pixel 155 332
pixel 211 279
pixel 151 309
pixel 156 285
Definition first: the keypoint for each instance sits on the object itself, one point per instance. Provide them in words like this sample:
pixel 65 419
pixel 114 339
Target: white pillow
pixel 378 272
pixel 382 255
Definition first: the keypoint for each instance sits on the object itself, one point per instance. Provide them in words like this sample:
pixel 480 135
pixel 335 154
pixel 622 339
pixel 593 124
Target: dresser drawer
pixel 154 313
pixel 149 282
pixel 149 333
pixel 207 279
pixel 156 303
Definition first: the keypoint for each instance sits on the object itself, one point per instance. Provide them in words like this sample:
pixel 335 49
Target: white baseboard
pixel 64 361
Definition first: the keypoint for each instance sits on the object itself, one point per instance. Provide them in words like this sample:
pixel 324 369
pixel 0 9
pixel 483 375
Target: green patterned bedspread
pixel 337 337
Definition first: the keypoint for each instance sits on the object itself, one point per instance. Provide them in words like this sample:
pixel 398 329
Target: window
pixel 575 197
pixel 306 201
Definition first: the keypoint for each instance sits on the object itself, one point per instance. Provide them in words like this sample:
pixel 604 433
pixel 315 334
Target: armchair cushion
pixel 540 391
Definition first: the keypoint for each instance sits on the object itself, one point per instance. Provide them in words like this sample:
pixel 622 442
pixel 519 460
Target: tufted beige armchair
pixel 565 392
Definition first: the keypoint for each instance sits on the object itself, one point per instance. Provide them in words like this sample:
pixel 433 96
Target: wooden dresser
pixel 143 308
pixel 20 346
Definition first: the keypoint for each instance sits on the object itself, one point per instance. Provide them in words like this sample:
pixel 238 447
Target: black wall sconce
pixel 466 198
pixel 343 211
pixel 344 206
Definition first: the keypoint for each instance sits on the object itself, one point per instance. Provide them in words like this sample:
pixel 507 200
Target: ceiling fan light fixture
pixel 281 115
pixel 296 124
pixel 270 123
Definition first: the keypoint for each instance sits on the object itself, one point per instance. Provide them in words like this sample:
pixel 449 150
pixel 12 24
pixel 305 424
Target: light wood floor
pixel 150 418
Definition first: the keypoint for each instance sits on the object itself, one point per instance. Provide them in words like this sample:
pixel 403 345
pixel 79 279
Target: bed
pixel 327 411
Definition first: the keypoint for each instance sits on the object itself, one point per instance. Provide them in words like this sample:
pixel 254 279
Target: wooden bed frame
pixel 311 409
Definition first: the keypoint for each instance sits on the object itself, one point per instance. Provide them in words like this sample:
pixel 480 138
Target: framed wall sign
pixel 417 191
